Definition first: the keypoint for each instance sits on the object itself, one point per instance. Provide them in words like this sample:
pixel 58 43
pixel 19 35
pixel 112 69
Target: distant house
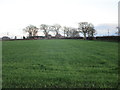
pixel 59 36
pixel 5 38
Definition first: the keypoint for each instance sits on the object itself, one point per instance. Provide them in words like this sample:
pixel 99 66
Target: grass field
pixel 59 63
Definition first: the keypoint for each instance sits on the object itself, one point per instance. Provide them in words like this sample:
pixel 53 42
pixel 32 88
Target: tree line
pixel 87 29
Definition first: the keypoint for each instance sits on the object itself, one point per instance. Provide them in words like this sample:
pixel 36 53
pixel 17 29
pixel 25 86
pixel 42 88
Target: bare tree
pixel 31 30
pixel 28 30
pixel 66 31
pixel 35 31
pixel 73 32
pixel 46 29
pixel 55 28
pixel 91 31
pixel 86 28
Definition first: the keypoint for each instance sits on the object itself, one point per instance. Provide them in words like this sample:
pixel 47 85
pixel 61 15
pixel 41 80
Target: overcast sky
pixel 17 14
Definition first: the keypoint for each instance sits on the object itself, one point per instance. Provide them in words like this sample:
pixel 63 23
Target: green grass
pixel 60 63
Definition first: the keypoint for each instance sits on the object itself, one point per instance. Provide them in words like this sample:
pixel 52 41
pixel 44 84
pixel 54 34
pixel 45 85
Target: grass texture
pixel 59 64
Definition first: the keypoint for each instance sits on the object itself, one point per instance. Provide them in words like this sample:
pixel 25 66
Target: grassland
pixel 60 63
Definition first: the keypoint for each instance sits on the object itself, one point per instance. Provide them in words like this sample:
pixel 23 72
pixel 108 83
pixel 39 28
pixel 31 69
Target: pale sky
pixel 17 14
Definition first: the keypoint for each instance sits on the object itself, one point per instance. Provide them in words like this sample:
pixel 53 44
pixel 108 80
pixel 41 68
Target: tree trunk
pixel 56 34
pixel 84 36
pixel 46 35
pixel 30 34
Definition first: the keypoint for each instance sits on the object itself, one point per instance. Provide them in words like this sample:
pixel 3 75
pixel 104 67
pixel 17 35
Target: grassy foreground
pixel 59 63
